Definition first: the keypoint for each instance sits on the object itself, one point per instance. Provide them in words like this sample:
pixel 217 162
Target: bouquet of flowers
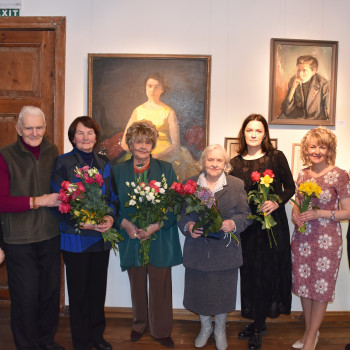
pixel 259 197
pixel 84 201
pixel 202 201
pixel 307 190
pixel 149 201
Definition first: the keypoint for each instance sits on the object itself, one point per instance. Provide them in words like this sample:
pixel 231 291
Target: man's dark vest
pixel 29 177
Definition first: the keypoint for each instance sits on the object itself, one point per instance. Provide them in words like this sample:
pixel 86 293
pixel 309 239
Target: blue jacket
pixel 87 240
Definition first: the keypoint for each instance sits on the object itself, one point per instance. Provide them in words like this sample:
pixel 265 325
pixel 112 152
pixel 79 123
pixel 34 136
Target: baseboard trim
pixel 185 315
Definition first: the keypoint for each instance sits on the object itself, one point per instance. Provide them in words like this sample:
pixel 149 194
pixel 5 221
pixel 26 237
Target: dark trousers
pixel 86 281
pixel 34 284
pixel 155 309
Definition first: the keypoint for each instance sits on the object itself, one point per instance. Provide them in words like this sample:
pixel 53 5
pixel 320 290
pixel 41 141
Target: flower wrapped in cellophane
pixel 203 202
pixel 307 190
pixel 84 201
pixel 259 197
pixel 149 201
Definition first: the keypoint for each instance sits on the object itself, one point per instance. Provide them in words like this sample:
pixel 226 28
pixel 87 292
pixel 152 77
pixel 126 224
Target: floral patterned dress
pixel 316 253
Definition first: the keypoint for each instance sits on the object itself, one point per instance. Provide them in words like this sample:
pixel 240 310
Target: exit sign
pixel 9 12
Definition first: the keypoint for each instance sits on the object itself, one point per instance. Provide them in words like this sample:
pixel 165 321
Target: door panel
pixel 32 67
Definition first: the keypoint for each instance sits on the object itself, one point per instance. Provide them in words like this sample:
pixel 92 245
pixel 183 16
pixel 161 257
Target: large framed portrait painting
pixel 120 92
pixel 303 81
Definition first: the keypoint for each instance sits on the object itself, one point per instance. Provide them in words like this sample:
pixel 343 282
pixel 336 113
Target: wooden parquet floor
pixel 280 335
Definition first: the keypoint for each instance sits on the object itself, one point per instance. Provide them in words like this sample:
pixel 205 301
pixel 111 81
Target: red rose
pixel 62 196
pixel 64 208
pixel 89 180
pixel 172 187
pixel 80 186
pixel 152 184
pixel 142 184
pixel 85 168
pixel 99 179
pixel 65 185
pixel 177 187
pixel 255 176
pixel 190 187
pixel 268 172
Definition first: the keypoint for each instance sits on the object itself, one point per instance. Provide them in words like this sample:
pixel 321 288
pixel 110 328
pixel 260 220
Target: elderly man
pixel 31 233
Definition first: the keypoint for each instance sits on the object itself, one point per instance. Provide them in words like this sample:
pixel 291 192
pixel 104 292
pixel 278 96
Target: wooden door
pixel 32 71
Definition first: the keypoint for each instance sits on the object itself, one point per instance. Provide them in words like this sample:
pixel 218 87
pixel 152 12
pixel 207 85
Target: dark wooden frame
pixel 116 86
pixel 283 56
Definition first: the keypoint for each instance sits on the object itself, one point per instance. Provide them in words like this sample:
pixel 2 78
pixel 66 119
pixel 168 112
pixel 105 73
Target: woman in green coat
pixel 153 308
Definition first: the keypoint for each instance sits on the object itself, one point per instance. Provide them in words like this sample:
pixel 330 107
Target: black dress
pixel 266 272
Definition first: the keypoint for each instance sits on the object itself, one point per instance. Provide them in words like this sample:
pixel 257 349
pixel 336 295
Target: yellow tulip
pixel 266 180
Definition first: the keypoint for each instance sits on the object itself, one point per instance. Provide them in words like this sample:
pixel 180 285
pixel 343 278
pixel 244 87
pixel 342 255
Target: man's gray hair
pixel 30 110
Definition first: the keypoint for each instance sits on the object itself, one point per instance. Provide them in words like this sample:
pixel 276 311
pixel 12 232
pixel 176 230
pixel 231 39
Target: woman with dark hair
pixel 85 255
pixel 266 270
pixel 168 146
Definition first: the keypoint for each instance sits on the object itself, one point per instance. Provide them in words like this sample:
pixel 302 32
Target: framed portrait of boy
pixel 303 81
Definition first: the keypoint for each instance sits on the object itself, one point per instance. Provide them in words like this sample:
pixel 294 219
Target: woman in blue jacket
pixel 85 255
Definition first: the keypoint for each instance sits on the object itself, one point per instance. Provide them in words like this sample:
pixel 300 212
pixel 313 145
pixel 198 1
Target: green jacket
pixel 29 177
pixel 165 250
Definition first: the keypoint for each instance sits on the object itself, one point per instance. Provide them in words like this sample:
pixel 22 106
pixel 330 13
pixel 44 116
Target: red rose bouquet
pixel 259 197
pixel 201 201
pixel 84 201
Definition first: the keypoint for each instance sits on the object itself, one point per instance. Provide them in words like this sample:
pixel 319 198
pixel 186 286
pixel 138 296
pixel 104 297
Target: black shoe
pixel 248 331
pixel 135 336
pixel 255 341
pixel 167 342
pixel 102 345
pixel 51 346
pixel 347 347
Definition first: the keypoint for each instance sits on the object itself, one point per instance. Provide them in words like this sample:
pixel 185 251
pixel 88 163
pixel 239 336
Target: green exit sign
pixel 9 12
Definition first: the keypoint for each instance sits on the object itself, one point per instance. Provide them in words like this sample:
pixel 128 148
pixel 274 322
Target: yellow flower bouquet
pixel 307 190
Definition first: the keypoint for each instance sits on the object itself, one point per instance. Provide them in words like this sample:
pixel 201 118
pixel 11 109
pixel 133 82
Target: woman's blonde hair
pixel 322 136
pixel 207 150
pixel 142 130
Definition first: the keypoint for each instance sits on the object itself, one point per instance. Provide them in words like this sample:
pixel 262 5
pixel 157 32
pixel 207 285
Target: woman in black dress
pixel 266 270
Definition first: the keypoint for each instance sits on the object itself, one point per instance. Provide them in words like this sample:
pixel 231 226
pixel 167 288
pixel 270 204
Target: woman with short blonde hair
pixel 317 251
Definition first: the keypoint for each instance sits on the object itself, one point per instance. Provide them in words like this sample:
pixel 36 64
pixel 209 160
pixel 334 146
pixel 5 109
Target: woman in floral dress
pixel 316 253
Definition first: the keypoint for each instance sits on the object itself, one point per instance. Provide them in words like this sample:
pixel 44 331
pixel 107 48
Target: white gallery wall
pixel 237 35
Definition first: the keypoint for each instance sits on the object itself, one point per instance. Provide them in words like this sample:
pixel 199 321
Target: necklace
pixel 140 168
pixel 141 171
